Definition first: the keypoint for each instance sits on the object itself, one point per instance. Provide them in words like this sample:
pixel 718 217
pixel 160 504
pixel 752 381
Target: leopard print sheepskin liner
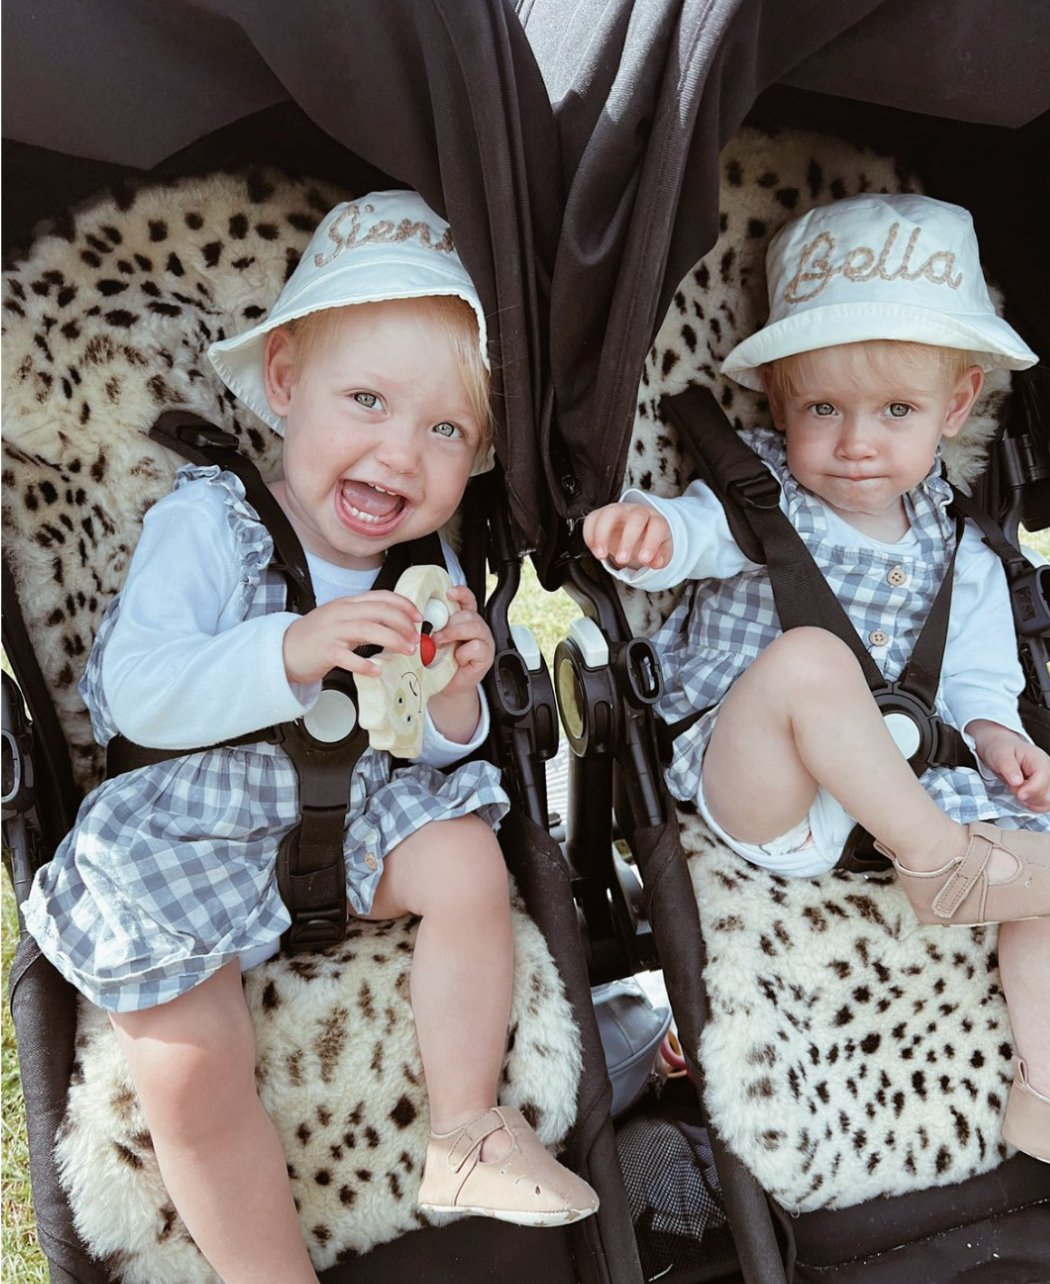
pixel 850 1053
pixel 106 325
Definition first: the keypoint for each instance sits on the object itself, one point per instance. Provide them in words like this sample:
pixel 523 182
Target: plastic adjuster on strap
pixel 761 492
pixel 311 875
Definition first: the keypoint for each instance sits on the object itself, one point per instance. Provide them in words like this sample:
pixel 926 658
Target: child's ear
pixel 776 408
pixel 279 370
pixel 965 393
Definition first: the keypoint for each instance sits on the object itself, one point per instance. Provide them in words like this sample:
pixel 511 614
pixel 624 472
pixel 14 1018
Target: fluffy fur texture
pixel 106 325
pixel 850 1053
pixel 339 1072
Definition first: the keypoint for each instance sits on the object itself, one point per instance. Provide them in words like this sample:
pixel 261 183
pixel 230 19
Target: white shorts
pixel 811 847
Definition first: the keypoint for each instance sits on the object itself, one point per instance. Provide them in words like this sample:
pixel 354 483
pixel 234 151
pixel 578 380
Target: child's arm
pixel 657 543
pixel 181 668
pixel 981 676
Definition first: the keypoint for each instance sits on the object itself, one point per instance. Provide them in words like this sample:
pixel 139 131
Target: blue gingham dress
pixel 719 627
pixel 169 870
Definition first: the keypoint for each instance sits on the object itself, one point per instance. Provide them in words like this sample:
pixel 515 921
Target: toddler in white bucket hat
pixel 878 266
pixel 387 245
pixel 879 332
pixel 372 365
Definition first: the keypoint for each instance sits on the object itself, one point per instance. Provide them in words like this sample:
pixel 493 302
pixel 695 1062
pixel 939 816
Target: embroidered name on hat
pixel 816 269
pixel 350 229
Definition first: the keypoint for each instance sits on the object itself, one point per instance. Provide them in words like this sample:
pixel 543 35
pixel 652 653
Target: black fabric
pixel 644 98
pixel 43 1008
pixel 672 1187
pixel 55 792
pixel 435 94
pixel 992 1229
pixel 542 876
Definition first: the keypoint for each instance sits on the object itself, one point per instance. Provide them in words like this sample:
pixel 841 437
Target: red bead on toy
pixel 427 648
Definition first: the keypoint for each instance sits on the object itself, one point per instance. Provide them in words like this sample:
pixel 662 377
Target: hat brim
pixel 994 343
pixel 239 361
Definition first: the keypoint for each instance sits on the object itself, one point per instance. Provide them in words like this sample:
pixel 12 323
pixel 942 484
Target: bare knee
pixel 467 867
pixel 807 660
pixel 473 859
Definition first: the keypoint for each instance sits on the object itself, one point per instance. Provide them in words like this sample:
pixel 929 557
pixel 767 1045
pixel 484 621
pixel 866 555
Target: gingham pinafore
pixel 720 626
pixel 169 870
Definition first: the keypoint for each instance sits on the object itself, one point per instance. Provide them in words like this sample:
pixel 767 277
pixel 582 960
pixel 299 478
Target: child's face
pixel 860 434
pixel 380 437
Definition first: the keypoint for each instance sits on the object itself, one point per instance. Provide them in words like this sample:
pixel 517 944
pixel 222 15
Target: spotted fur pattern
pixel 339 1072
pixel 850 1053
pixel 106 325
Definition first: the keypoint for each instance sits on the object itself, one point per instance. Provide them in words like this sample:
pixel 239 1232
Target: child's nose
pixel 398 448
pixel 854 438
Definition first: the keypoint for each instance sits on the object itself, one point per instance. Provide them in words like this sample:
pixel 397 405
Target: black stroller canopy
pixel 430 94
pixel 645 96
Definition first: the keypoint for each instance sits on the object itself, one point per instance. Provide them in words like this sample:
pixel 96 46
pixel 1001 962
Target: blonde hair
pixel 453 316
pixel 882 357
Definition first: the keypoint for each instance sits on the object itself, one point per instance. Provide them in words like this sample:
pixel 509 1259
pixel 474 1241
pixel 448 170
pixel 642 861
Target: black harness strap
pixel 750 495
pixel 311 874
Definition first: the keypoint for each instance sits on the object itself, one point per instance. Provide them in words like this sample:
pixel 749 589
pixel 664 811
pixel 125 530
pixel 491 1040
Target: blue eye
pixel 447 430
pixel 899 409
pixel 367 399
pixel 823 409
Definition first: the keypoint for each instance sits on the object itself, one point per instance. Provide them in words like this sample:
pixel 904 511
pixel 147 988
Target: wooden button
pixel 877 637
pixel 897 576
pixel 370 861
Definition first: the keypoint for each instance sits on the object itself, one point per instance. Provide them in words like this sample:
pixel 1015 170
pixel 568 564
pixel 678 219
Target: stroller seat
pixel 848 1053
pixel 107 321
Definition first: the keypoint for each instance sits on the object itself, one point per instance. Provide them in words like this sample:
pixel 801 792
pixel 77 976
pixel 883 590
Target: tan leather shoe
pixel 1026 1124
pixel 525 1185
pixel 960 892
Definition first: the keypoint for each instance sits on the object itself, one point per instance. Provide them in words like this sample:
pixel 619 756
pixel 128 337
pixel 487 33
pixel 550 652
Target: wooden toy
pixel 391 705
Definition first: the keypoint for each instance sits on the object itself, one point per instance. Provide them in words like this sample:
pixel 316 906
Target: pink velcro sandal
pixel 525 1184
pixel 961 892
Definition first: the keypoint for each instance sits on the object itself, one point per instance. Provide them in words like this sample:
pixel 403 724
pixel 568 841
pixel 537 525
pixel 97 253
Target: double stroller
pixel 583 225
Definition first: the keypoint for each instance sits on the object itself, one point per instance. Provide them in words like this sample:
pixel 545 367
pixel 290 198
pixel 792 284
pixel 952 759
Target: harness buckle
pixel 910 722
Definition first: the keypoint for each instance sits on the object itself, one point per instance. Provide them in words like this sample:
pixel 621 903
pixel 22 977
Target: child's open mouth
pixel 369 509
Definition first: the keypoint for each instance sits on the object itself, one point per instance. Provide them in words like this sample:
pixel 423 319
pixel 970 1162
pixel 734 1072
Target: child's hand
pixel 455 710
pixel 468 633
pixel 1023 767
pixel 325 638
pixel 634 536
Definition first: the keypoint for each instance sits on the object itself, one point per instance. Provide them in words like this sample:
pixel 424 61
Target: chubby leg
pixel 452 874
pixel 481 1158
pixel 193 1064
pixel 803 716
pixel 1024 967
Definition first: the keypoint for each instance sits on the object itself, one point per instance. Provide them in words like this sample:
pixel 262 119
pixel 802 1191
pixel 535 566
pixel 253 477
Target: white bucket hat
pixel 878 267
pixel 386 245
